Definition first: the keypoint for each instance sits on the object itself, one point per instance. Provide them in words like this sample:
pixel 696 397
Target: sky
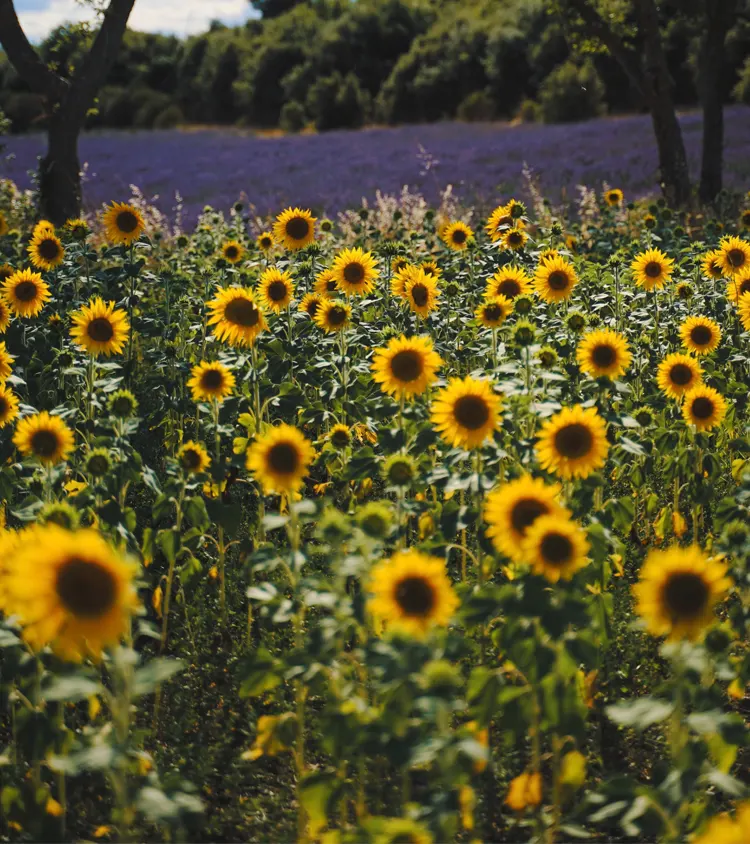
pixel 181 17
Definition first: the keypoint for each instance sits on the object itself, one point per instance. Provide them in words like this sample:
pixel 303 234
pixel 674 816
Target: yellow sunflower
pixel 421 293
pixel 340 435
pixel 704 407
pixel 236 316
pixel 42 226
pixel 711 265
pixel 466 412
pixel 604 354
pixel 555 279
pixel 511 509
pixel 211 381
pixel 81 596
pixel 193 458
pixel 745 219
pixel 509 281
pixel 700 335
pixel 548 255
pixel 294 228
pixel 275 289
pixel 99 328
pixel 309 304
pixel 734 255
pixel 8 405
pixel 6 271
pixel 232 251
pixel 279 459
pixel 652 269
pixel 333 316
pixel 722 829
pixel 493 311
pixel 398 263
pixel 123 223
pixel 678 374
pixel 6 363
pixel 407 366
pixel 265 242
pixel 614 197
pixel 500 220
pixel 738 286
pixel 431 268
pixel 45 437
pixel 515 238
pixel 411 592
pixel 46 251
pixel 3 225
pixel 744 311
pixel 355 271
pixel 326 284
pixel 457 236
pixel 26 292
pixel 677 591
pixel 555 547
pixel 401 278
pixel 573 443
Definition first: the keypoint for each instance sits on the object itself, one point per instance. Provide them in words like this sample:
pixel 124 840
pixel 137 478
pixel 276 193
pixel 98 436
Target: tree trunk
pixel 60 173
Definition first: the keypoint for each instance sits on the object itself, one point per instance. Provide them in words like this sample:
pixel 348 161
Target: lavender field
pixel 335 170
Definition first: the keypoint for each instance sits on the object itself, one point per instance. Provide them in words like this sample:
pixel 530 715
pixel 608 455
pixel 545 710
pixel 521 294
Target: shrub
pixel 170 117
pixel 336 102
pixel 741 91
pixel 476 107
pixel 571 92
pixel 292 117
pixel 529 112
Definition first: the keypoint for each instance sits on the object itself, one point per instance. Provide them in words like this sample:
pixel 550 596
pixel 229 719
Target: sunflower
pixel 677 591
pixel 571 241
pixel 309 304
pixel 493 311
pixel 400 830
pixel 511 509
pixel 614 197
pixel 704 407
pixel 722 829
pixel 99 328
pixel 77 228
pixel 700 335
pixel 744 311
pixel 515 238
pixel 678 374
pixel 652 269
pixel 401 278
pixel 734 255
pixel 122 404
pixel 46 251
pixel 431 268
pixel 555 547
pixel 6 363
pixel 232 251
pixel 456 236
pixel 3 225
pixel 407 366
pixel 45 437
pixel 123 223
pixel 711 265
pixel 211 381
pixel 421 293
pixel 398 263
pixel 501 219
pixel 6 271
pixel 193 458
pixel 548 255
pixel 26 293
pixel 573 443
pixel 275 289
pixel 236 315
pixel 279 459
pixel 326 284
pixel 355 271
pixel 509 281
pixel 265 242
pixel 42 226
pixel 333 316
pixel 411 592
pixel 466 412
pixel 8 405
pixel 745 219
pixel 604 354
pixel 554 280
pixel 738 286
pixel 294 228
pixel 81 596
pixel 340 435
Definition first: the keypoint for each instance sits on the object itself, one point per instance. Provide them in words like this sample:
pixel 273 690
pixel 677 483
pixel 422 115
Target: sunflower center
pixel 745 286
pixel 736 257
pixel 702 408
pixel 515 238
pixel 85 588
pixel 701 335
pixel 574 441
pixel 48 249
pixel 44 443
pixel 231 252
pixel 429 270
pixel 471 412
pixel 242 312
pixel 127 222
pixel 331 285
pixel 354 273
pixel 558 280
pixel 525 512
pixel 340 438
pixel 100 330
pixel 420 295
pixel 685 595
pixel 283 458
pixel 653 269
pixel 509 287
pixel 406 365
pixel 5 273
pixel 603 356
pixel 415 596
pixel 312 307
pixel 277 291
pixel 297 228
pixel 212 379
pixel 4 407
pixel 459 236
pixel 266 242
pixel 680 374
pixel 336 315
pixel 493 313
pixel 556 549
pixel 191 459
pixel 26 291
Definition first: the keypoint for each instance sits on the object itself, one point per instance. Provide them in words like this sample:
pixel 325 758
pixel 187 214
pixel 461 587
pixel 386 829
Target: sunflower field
pixel 415 526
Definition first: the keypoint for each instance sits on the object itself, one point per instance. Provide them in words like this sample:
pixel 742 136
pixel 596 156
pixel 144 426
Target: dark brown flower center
pixel 266 242
pixel 4 407
pixel 736 257
pixel 744 286
pixel 420 294
pixel 459 236
pixel 5 273
pixel 297 228
pixel 231 253
pixel 340 438
pixel 44 443
pixel 574 441
pixel 702 408
pixel 312 307
pixel 283 458
pixel 26 291
pixel 212 379
pixel 556 549
pixel 653 269
pixel 701 335
pixel 406 365
pixel 331 285
pixel 429 269
pixel 471 412
pixel 354 273
pixel 277 291
pixel 558 280
pixel 515 238
pixel 242 312
pixel 85 588
pixel 127 222
pixel 191 459
pixel 525 512
pixel 493 313
pixel 680 374
pixel 336 315
pixel 49 249
pixel 415 596
pixel 509 287
pixel 100 330
pixel 603 356
pixel 685 595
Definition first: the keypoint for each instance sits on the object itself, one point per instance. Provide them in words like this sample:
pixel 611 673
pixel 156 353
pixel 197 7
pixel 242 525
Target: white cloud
pixel 181 17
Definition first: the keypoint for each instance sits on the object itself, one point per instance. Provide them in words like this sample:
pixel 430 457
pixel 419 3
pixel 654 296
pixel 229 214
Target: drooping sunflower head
pixel 466 412
pixel 333 316
pixel 652 269
pixel 77 228
pixel 400 471
pixel 100 329
pixel 614 197
pixel 236 316
pixel 275 289
pixel 60 513
pixel 745 219
pixel 26 293
pixel 457 236
pixel 407 366
pixel 6 363
pixel 193 458
pixel 46 250
pixel 511 509
pixel 734 255
pixel 340 436
pixel 604 354
pixel 355 272
pixel 232 251
pixel 376 519
pixel 573 443
pixel 123 223
pixel 515 238
pixel 122 404
pixel 576 321
pixel 279 459
pixel 326 284
pixel 97 463
pixel 8 405
pixel 704 407
pixel 678 374
pixel 310 303
pixel 547 357
pixel 524 333
pixel 294 228
pixel 712 265
pixel 738 286
pixel 211 381
pixel 265 242
pixel 677 591
pixel 421 293
pixel 509 281
pixel 700 335
pixel 493 311
pixel 644 416
pixel 44 437
pixel 684 291
pixel 412 592
pixel 554 280
pixel 649 221
pixel 555 547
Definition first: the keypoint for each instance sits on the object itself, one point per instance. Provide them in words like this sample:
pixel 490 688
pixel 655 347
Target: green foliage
pixel 571 92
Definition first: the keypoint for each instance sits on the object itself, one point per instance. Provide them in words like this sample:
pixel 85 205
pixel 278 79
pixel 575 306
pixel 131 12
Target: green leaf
pixel 640 713
pixel 71 688
pixel 169 542
pixel 320 792
pixel 260 673
pixel 155 672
